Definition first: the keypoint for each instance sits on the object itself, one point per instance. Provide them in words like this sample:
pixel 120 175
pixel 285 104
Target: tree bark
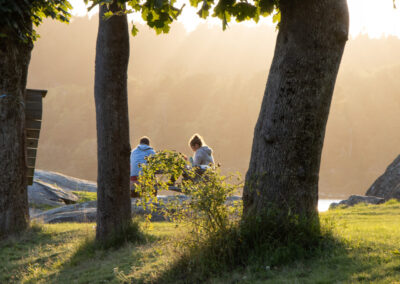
pixel 14 62
pixel 289 134
pixel 113 147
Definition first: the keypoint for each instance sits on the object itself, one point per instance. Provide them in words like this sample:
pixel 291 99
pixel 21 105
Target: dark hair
pixel 196 139
pixel 145 140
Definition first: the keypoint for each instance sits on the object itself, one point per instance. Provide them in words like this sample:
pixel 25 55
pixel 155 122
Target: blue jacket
pixel 138 156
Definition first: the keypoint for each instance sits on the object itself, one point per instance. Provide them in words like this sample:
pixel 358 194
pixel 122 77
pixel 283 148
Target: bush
pixel 206 209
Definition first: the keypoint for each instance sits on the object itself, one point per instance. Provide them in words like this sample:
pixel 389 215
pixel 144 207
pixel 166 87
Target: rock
pixel 355 199
pixel 86 212
pixel 81 212
pixel 41 193
pixel 333 205
pixel 34 211
pixel 387 185
pixel 65 182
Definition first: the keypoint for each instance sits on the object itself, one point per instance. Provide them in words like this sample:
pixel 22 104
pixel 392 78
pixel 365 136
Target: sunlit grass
pixel 367 251
pixel 85 196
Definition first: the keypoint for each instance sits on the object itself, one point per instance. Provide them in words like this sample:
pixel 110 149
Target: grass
pixel 85 196
pixel 367 250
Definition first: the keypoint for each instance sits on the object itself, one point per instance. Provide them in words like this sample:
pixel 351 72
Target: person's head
pixel 196 142
pixel 145 140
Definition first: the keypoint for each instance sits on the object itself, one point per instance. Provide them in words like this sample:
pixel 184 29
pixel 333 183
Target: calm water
pixel 323 204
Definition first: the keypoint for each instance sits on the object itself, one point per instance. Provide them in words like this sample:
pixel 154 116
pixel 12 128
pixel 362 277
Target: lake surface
pixel 323 204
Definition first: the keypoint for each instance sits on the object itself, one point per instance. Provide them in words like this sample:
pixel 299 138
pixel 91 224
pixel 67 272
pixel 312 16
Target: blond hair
pixel 196 139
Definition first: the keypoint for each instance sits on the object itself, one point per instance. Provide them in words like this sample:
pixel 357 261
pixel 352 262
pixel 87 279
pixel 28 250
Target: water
pixel 323 204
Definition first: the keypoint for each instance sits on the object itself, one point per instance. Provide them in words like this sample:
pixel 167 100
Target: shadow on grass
pixel 90 248
pixel 208 264
pixel 16 250
pixel 316 256
pixel 94 262
pixel 34 235
pixel 289 254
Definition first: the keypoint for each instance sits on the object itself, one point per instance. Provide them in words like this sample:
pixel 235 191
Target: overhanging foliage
pixel 17 16
pixel 160 14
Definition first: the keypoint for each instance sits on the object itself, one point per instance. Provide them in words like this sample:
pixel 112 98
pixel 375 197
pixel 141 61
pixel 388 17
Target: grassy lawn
pixel 367 251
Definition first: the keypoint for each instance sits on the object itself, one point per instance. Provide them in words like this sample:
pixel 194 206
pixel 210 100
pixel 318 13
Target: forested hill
pixel 212 82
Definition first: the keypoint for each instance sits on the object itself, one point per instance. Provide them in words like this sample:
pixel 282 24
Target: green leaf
pixel 108 15
pixel 134 30
pixel 277 17
pixel 266 7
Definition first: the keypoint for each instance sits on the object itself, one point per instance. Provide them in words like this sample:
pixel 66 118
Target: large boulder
pixel 86 212
pixel 387 185
pixel 81 212
pixel 65 182
pixel 356 199
pixel 41 193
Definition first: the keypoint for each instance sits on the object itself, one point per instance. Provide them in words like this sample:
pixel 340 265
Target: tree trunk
pixel 113 147
pixel 14 62
pixel 289 134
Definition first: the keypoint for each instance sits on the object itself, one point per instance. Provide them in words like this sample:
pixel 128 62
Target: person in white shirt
pixel 203 157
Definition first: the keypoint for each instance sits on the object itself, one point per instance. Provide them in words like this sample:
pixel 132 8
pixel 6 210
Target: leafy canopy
pixel 241 10
pixel 159 14
pixel 17 16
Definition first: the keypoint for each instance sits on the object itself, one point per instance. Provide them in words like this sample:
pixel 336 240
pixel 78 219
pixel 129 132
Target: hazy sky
pixel 377 18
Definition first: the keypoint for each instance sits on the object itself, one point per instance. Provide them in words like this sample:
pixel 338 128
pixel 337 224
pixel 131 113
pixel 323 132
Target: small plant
pixel 207 209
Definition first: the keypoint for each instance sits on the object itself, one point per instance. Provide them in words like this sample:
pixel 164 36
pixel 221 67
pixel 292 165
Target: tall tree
pixel 289 134
pixel 17 36
pixel 113 147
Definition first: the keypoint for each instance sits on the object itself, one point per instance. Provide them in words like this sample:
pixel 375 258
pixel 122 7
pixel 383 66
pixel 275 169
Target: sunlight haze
pixel 207 81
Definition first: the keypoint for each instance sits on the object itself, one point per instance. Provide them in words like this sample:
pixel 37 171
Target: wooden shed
pixel 33 113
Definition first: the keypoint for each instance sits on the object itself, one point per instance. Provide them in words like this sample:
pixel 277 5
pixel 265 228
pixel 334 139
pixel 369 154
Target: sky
pixel 376 18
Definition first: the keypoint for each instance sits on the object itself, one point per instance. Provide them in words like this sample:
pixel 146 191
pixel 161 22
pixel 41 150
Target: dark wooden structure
pixel 33 113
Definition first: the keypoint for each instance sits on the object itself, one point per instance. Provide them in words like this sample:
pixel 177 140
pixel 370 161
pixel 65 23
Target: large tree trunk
pixel 14 62
pixel 113 147
pixel 289 134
